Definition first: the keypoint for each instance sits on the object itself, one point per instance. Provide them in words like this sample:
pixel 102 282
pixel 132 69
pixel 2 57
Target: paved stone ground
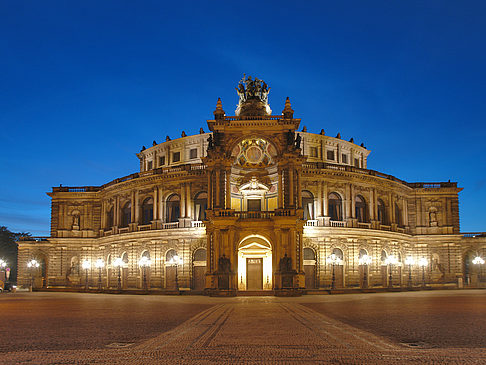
pixel 263 330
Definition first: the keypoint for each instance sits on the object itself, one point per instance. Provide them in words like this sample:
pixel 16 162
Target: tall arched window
pixel 200 254
pixel 398 216
pixel 173 208
pixel 339 253
pixel 126 214
pixel 146 254
pixel 147 211
pixel 124 258
pixel 361 209
pixel 200 206
pixel 335 207
pixel 308 204
pixel 309 254
pixel 170 254
pixel 382 216
pixel 109 218
pixel 362 252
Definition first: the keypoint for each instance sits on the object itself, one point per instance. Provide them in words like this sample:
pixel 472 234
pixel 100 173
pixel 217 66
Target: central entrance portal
pixel 254 274
pixel 255 264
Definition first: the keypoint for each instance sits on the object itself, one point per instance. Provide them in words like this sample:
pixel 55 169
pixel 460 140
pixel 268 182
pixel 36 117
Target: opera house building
pixel 256 204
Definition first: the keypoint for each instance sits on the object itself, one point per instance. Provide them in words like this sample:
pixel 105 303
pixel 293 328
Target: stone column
pixel 319 200
pixel 353 202
pixel 160 203
pixel 228 188
pixel 117 211
pixel 132 209
pixel 188 201
pixel 371 205
pixel 280 189
pixel 155 206
pixel 299 189
pixel 217 183
pixel 405 211
pixel 137 208
pixel 324 199
pixel 210 189
pixel 291 187
pixel 103 214
pixel 183 200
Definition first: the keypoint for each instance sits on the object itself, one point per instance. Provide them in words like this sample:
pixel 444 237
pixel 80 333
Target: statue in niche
pixel 76 220
pixel 224 265
pixel 285 264
pixel 433 218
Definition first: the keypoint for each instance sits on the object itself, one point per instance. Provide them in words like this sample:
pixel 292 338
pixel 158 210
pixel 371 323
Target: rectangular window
pixel 313 152
pixel 176 157
pixel 356 162
pixel 330 155
pixel 344 158
pixel 149 165
pixel 162 160
pixel 193 153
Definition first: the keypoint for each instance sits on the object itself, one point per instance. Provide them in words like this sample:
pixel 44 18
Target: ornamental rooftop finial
pixel 288 112
pixel 219 112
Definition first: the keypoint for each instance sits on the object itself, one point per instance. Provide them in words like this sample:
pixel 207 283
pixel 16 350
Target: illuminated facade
pixel 254 205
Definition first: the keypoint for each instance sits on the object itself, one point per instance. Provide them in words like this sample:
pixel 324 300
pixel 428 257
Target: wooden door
pixel 170 277
pixel 310 276
pixel 199 278
pixel 254 274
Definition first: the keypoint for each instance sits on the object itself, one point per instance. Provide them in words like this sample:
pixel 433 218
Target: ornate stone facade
pixel 254 205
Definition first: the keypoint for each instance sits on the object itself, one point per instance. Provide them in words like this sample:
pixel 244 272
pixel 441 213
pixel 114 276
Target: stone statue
pixel 285 264
pixel 290 138
pixel 433 218
pixel 210 142
pixel 76 221
pixel 224 264
pixel 298 139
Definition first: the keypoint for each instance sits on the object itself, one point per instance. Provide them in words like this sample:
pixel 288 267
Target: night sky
pixel 83 85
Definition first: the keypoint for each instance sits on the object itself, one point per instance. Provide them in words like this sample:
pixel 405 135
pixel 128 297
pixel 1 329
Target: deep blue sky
pixel 83 85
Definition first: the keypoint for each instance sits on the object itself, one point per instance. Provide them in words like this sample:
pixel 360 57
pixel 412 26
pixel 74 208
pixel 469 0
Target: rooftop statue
pixel 252 93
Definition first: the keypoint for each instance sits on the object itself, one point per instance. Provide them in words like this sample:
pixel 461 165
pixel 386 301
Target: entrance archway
pixel 255 264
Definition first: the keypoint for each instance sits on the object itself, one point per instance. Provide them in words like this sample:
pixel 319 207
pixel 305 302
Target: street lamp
pixel 86 266
pixel 176 261
pixel 409 261
pixel 100 264
pixel 365 260
pixel 144 263
pixel 32 265
pixel 335 260
pixel 478 261
pixel 423 262
pixel 390 261
pixel 119 263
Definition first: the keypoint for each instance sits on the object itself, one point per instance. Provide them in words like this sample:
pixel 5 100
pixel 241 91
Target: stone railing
pixel 144 227
pixel 348 168
pixel 124 230
pixel 255 215
pixel 311 223
pixel 473 234
pixel 337 223
pixel 197 224
pixel 385 227
pixel 170 225
pixel 364 225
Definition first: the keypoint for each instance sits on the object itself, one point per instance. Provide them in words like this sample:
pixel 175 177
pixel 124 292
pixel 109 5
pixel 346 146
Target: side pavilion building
pixel 254 205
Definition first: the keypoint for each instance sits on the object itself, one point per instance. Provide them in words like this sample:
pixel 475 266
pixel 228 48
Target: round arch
pixel 255 263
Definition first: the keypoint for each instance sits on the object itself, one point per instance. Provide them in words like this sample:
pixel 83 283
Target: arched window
pixel 170 254
pixel 173 208
pixel 308 204
pixel 124 258
pixel 200 254
pixel 109 218
pixel 200 206
pixel 361 209
pixel 147 211
pixel 382 217
pixel 108 260
pixel 339 253
pixel 384 256
pixel 398 216
pixel 146 254
pixel 309 254
pixel 126 215
pixel 362 252
pixel 335 207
